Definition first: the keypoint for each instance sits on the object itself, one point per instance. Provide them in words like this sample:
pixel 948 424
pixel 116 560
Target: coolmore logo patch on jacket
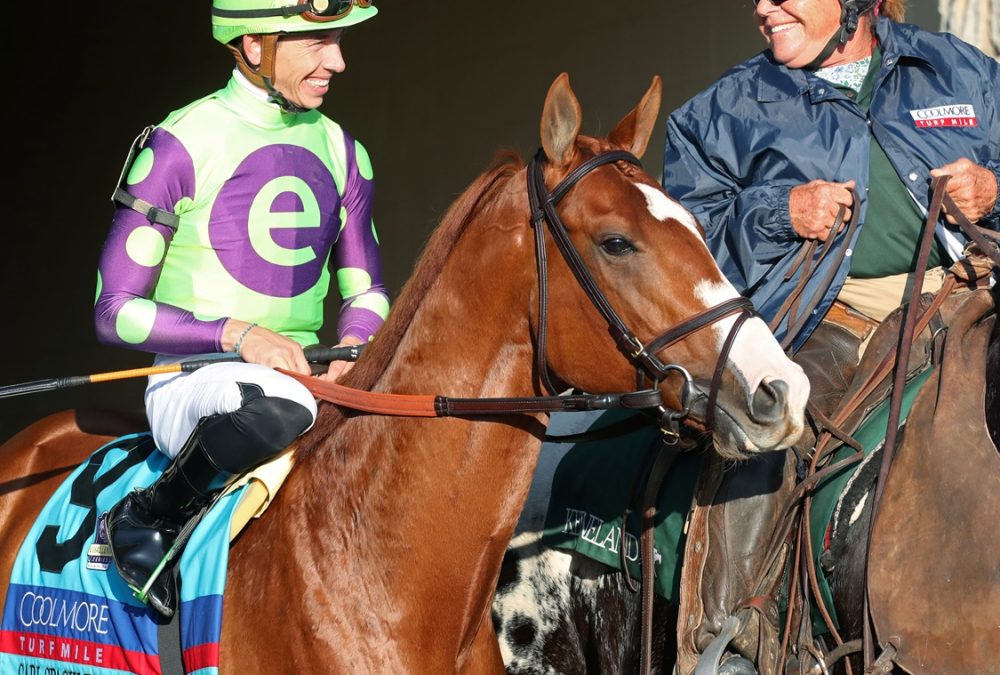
pixel 955 115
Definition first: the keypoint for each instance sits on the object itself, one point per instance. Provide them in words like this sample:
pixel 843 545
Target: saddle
pixel 935 591
pixel 64 564
pixel 739 542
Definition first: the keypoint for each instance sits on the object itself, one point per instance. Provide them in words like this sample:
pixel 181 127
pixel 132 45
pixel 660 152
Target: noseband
pixel 643 357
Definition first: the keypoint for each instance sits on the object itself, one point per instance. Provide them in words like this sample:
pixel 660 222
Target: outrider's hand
pixel 265 347
pixel 973 187
pixel 813 207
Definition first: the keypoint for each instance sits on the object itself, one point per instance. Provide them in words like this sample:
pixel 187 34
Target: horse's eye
pixel 617 245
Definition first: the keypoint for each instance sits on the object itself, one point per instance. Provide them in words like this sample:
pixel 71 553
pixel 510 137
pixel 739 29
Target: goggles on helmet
pixel 319 11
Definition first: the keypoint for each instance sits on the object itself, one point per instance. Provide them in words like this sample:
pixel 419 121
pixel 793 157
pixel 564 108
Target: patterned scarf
pixel 849 75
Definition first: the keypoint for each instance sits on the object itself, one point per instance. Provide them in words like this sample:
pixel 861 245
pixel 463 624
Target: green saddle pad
pixel 871 436
pixel 591 488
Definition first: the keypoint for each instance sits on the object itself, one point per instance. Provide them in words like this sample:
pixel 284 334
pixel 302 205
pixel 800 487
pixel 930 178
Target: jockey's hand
pixel 813 207
pixel 265 347
pixel 338 368
pixel 974 188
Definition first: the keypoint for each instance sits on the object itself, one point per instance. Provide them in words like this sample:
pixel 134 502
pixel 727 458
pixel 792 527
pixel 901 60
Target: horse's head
pixel 648 256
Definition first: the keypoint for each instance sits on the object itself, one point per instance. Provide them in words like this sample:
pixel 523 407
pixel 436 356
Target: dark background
pixel 433 90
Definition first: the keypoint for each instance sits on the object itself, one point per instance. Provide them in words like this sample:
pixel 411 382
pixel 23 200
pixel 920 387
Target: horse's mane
pixel 426 270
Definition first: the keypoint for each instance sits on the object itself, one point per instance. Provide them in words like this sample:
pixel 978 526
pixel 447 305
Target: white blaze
pixel 755 352
pixel 664 208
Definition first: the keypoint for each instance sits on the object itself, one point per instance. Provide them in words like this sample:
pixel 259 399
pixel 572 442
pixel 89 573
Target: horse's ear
pixel 561 119
pixel 633 132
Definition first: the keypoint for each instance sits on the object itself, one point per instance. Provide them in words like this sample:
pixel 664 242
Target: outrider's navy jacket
pixel 735 150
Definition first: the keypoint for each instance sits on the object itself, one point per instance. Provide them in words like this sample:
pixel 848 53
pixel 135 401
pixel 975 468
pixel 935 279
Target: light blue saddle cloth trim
pixel 67 604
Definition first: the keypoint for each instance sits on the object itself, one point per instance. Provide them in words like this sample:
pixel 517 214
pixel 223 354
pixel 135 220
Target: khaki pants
pixel 876 298
pixel 831 354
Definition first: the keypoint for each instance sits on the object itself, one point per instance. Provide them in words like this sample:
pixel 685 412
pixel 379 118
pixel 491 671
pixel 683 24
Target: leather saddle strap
pixel 907 332
pixel 661 466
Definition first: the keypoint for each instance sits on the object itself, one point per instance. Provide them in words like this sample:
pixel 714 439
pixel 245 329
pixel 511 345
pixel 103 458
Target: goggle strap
pixel 287 11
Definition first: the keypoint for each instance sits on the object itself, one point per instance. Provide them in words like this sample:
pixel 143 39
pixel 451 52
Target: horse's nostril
pixel 769 402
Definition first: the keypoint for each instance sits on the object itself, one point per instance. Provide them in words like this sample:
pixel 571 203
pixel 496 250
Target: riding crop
pixel 313 354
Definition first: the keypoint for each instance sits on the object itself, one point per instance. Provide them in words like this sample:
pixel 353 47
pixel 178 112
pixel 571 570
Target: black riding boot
pixel 143 528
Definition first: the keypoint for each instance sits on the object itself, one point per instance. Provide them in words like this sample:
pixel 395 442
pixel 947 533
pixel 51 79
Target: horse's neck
pixel 394 494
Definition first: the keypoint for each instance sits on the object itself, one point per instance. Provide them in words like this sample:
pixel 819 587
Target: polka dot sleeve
pixel 125 313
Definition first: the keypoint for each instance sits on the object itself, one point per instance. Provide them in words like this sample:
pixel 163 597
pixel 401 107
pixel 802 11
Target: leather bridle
pixel 642 356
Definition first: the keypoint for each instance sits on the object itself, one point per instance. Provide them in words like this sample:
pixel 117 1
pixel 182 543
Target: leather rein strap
pixel 410 405
pixel 543 208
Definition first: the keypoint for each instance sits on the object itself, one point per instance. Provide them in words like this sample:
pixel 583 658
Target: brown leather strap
pixel 410 405
pixel 851 320
pixel 661 466
pixel 805 262
pixel 367 401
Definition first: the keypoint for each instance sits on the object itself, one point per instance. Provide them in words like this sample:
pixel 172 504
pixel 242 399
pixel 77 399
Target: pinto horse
pixel 382 551
pixel 928 567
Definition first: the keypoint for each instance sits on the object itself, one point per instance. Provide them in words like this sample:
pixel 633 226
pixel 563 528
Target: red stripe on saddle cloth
pixel 202 656
pixel 80 652
pixel 368 401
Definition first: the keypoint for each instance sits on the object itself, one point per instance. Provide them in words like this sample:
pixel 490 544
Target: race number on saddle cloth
pixel 68 609
pixel 590 486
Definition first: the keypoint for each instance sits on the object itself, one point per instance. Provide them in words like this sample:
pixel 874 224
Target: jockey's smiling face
pixel 797 31
pixel 304 64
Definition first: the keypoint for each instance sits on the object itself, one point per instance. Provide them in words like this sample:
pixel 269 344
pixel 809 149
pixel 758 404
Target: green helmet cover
pixel 225 29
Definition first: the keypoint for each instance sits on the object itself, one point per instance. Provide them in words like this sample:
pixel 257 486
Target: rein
pixel 807 261
pixel 543 208
pixel 542 204
pixel 797 505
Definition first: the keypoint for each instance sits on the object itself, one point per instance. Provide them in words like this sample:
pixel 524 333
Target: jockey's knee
pixel 258 431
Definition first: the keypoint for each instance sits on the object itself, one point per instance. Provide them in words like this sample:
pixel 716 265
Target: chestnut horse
pixel 382 551
pixel 559 612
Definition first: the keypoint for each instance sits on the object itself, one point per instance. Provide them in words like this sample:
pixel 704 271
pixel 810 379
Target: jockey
pixel 229 217
pixel 845 108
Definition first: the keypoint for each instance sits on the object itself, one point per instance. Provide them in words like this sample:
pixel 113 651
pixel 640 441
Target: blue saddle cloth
pixel 68 611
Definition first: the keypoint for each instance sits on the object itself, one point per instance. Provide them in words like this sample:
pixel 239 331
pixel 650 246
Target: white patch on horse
pixel 755 353
pixel 858 509
pixel 849 487
pixel 530 610
pixel 664 208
